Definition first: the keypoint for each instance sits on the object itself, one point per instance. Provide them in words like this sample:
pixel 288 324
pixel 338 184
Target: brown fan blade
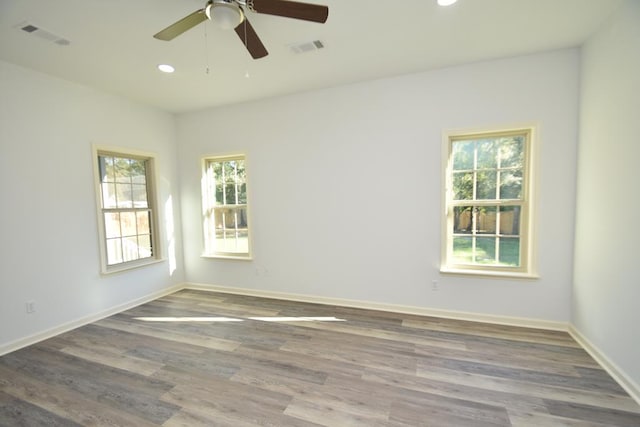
pixel 250 39
pixel 186 23
pixel 291 9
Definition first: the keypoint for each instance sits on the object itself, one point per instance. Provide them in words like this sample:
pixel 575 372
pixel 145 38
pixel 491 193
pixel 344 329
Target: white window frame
pixel 528 266
pixel 150 181
pixel 209 207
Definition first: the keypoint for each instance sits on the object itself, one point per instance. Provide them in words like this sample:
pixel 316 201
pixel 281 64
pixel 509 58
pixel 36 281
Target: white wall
pixel 48 222
pixel 607 285
pixel 345 185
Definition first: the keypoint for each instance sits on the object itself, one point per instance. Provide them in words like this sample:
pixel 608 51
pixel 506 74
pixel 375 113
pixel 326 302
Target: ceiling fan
pixel 231 14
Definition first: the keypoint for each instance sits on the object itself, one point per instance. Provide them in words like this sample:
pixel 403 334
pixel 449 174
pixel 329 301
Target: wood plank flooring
pixel 198 358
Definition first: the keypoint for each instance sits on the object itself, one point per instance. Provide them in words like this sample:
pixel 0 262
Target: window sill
pixel 120 268
pixel 489 273
pixel 231 257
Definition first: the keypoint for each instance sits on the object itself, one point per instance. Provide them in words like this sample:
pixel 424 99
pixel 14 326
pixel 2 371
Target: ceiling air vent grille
pixel 43 34
pixel 307 46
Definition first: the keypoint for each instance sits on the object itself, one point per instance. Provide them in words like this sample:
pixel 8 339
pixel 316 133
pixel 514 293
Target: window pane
pixel 241 218
pixel 231 239
pixel 124 196
pixel 242 242
pixel 462 219
pixel 220 241
pixel 511 184
pixel 216 167
pixel 486 185
pixel 512 152
pixel 219 195
pixel 112 224
pixel 114 251
pixel 463 155
pixel 230 194
pixel 108 196
pixel 486 250
pixel 128 223
pixel 220 218
pixel 130 248
pixel 229 171
pixel 462 250
pixel 510 252
pixel 144 246
pixel 487 154
pixel 123 170
pixel 107 172
pixel 242 194
pixel 139 196
pixel 463 186
pixel 138 171
pixel 241 171
pixel 486 220
pixel 510 220
pixel 142 221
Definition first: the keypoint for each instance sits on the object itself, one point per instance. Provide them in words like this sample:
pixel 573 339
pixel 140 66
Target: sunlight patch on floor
pixel 232 319
pixel 188 319
pixel 298 319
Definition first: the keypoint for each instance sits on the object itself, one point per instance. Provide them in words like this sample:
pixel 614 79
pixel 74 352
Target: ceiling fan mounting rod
pixel 230 2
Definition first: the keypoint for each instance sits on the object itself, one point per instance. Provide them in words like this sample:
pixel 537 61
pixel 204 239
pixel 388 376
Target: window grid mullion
pixel 235 182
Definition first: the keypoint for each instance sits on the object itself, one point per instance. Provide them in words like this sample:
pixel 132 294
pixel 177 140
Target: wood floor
pixel 209 359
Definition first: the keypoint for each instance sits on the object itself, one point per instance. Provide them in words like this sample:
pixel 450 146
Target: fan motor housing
pixel 225 13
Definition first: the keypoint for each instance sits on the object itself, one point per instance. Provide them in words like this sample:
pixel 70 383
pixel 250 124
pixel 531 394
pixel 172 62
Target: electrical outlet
pixel 435 285
pixel 30 307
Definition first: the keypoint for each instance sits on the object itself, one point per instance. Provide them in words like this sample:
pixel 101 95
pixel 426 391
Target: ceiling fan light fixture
pixel 224 14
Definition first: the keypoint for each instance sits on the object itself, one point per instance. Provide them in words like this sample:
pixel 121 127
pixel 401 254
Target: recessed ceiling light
pixel 446 2
pixel 166 68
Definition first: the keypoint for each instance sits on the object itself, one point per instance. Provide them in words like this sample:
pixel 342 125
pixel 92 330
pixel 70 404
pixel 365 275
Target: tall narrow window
pixel 224 200
pixel 127 210
pixel 488 203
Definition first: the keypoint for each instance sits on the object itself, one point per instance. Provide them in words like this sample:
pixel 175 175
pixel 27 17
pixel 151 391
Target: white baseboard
pixel 618 374
pixel 65 327
pixel 393 308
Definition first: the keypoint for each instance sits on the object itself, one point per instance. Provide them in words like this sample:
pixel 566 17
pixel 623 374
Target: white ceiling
pixel 112 47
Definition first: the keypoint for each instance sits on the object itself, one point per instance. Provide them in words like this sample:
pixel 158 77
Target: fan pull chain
pixel 206 47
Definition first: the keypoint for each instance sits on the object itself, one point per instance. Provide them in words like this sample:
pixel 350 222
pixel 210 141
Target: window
pixel 488 223
pixel 224 200
pixel 127 210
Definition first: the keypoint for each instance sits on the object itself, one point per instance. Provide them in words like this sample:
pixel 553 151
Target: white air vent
pixel 307 46
pixel 43 34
